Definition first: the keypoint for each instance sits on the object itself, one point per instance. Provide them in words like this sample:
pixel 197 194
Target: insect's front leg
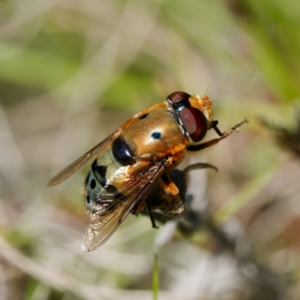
pixel 216 129
pixel 215 141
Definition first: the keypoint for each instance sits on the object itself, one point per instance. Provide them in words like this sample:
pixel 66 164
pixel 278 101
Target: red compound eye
pixel 178 96
pixel 194 122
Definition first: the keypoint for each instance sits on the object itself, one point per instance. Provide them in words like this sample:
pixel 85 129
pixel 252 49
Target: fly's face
pixel 135 162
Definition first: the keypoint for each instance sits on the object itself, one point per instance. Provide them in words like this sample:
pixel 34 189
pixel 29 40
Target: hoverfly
pixel 140 153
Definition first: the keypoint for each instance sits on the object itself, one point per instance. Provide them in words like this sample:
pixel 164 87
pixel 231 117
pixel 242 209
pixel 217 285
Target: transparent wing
pixel 104 224
pixel 80 162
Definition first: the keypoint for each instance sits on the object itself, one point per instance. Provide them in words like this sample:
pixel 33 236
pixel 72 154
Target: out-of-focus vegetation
pixel 72 71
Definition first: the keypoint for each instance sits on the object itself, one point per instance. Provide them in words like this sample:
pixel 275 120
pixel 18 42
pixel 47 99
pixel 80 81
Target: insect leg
pixel 199 166
pixel 151 215
pixel 216 129
pixel 166 183
pixel 215 141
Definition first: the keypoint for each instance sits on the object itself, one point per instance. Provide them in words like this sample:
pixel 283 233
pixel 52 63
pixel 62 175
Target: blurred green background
pixel 72 71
